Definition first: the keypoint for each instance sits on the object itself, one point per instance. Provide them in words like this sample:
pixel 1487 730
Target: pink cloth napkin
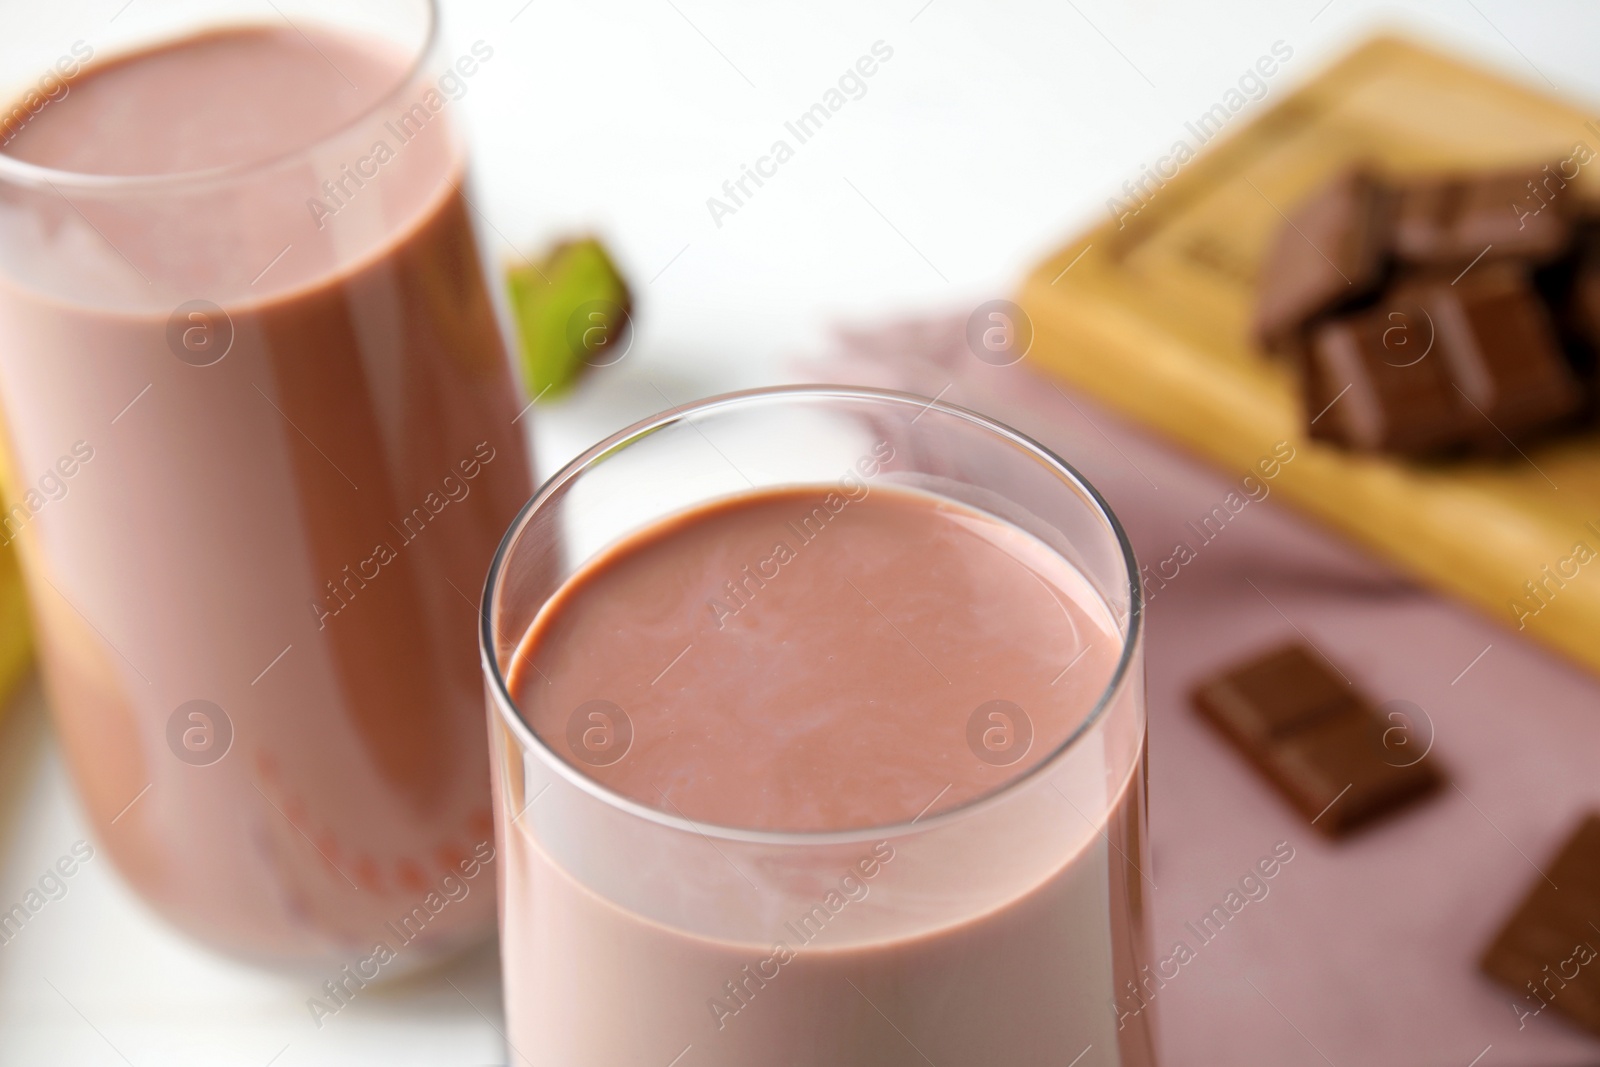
pixel 1363 952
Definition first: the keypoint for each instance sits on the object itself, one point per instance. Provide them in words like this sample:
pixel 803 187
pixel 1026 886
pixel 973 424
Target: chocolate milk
pixel 271 361
pixel 815 664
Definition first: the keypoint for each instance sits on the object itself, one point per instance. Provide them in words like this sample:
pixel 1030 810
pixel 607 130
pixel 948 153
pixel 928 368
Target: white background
pixel 993 133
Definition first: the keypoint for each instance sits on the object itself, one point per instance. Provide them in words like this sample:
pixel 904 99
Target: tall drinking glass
pixel 260 425
pixel 1005 926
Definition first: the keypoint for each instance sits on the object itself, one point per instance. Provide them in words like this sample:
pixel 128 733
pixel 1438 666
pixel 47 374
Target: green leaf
pixel 572 311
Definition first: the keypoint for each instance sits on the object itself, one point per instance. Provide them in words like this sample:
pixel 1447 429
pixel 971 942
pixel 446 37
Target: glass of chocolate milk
pixel 818 738
pixel 259 425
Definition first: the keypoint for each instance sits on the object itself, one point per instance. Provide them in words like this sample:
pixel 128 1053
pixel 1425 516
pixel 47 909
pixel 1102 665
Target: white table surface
pixel 995 131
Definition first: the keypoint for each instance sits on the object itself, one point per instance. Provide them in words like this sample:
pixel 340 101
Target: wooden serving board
pixel 1151 318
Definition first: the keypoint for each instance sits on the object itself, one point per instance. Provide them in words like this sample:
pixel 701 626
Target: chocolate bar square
pixel 1277 694
pixel 1548 952
pixel 1502 352
pixel 1380 387
pixel 1331 252
pixel 1518 214
pixel 1572 288
pixel 1341 770
pixel 1441 365
pixel 1317 738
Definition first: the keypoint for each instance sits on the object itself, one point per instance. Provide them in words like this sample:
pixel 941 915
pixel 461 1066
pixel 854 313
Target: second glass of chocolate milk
pixel 826 750
pixel 261 440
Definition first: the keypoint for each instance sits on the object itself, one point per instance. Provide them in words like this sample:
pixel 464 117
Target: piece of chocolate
pixel 1448 222
pixel 1278 694
pixel 1571 287
pixel 1379 386
pixel 1330 253
pixel 1548 952
pixel 1584 307
pixel 1320 740
pixel 1441 365
pixel 1501 352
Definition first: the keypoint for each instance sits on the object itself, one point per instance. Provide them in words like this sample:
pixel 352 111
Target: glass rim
pixel 20 172
pixel 529 740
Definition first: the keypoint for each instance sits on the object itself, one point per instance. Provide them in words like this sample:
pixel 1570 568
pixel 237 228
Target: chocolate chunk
pixel 1547 951
pixel 1378 385
pixel 1571 286
pixel 1320 741
pixel 1331 252
pixel 1583 311
pixel 1442 365
pixel 1502 353
pixel 1346 755
pixel 1518 214
pixel 1275 695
